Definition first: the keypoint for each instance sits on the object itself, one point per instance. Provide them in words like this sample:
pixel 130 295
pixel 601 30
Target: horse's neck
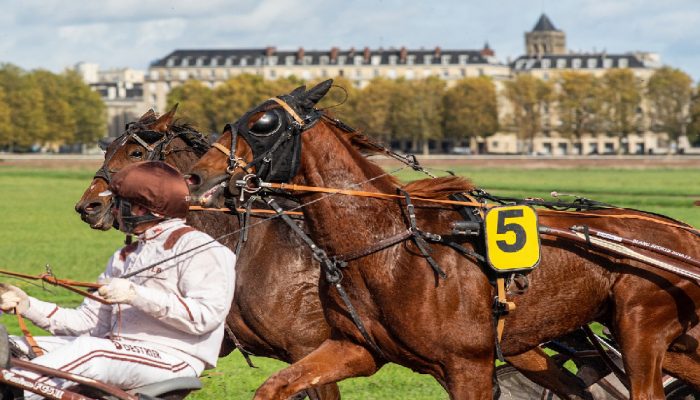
pixel 340 223
pixel 221 226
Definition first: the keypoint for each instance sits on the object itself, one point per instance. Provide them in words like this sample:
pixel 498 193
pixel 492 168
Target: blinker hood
pixel 275 137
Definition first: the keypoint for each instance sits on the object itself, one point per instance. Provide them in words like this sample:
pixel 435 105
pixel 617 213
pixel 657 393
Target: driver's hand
pixel 13 299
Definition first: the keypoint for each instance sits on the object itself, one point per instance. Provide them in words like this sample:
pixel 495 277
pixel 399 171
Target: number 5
pixel 503 228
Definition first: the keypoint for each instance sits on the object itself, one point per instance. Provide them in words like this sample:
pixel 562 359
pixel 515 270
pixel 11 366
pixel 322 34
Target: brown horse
pixel 276 311
pixel 444 327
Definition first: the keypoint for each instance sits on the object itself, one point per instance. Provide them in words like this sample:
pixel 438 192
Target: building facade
pixel 128 94
pixel 214 67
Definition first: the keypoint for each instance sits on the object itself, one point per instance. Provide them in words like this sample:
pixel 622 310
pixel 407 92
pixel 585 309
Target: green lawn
pixel 39 226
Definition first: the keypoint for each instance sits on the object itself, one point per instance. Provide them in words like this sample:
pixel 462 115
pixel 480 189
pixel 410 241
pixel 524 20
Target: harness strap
pixel 243 210
pixel 419 236
pixel 33 346
pixel 381 245
pixel 239 346
pixel 289 110
pixel 333 274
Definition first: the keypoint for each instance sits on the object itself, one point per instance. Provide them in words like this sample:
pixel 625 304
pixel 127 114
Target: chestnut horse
pixel 276 311
pixel 444 327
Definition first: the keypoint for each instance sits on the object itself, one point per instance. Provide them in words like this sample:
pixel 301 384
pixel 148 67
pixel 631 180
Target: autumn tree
pixel 195 105
pixel 471 108
pixel 60 124
pixel 621 97
pixel 236 96
pixel 579 104
pixel 416 110
pixel 88 108
pixel 669 92
pixel 694 126
pixel 373 106
pixel 528 97
pixel 26 102
pixel 5 121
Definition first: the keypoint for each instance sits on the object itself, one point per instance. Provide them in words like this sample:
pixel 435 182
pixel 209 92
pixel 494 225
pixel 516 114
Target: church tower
pixel 545 39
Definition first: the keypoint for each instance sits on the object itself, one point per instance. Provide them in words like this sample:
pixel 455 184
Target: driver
pixel 161 323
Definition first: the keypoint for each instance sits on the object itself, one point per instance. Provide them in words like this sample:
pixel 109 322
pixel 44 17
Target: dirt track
pixel 473 161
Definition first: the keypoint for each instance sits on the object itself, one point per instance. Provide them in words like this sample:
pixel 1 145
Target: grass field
pixel 38 227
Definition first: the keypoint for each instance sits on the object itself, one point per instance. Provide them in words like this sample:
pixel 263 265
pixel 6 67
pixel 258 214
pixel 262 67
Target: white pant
pixel 124 363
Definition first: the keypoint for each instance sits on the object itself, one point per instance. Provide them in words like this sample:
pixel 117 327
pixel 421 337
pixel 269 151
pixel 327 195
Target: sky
pixel 57 34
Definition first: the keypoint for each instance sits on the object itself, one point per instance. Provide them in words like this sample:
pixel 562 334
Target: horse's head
pixel 265 143
pixel 149 138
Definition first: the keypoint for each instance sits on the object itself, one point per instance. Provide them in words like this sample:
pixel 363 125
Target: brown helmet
pixel 154 185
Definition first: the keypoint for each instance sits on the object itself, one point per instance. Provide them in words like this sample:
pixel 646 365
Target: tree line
pixel 573 104
pixel 43 108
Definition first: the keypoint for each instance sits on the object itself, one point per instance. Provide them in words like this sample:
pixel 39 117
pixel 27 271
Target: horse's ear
pixel 150 114
pixel 298 91
pixel 163 123
pixel 316 93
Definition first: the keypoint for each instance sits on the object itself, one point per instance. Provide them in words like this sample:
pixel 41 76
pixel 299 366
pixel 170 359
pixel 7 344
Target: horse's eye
pixel 136 154
pixel 267 124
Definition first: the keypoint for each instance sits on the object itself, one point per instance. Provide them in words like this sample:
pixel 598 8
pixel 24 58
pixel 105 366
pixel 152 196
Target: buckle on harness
pixel 466 228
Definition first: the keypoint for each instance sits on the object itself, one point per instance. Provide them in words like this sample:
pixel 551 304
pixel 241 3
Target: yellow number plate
pixel 512 238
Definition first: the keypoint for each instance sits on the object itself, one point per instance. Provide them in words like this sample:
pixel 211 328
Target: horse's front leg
pixel 333 361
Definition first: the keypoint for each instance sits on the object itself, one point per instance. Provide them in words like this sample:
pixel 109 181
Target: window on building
pixel 546 63
pixel 357 60
pixel 229 61
pixel 562 148
pixel 323 60
pixel 411 59
pixel 547 148
pixel 376 72
pixel 185 62
pixel 289 60
pixel 427 59
pixel 593 148
pixel 170 62
pixel 609 148
pixel 273 74
pixel 358 73
pixel 463 72
pixel 607 63
pixel 341 60
pixel 200 61
pixel 244 61
pixel 376 60
pixel 622 63
pixel 445 73
pixel 272 60
pixel 592 63
pixel 392 59
pixel 463 58
pixel 576 63
pixel 308 60
pixel 561 62
pixel 258 61
pixel 445 59
pixel 494 144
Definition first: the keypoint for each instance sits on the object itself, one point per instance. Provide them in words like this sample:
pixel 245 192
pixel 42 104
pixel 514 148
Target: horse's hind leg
pixel 333 361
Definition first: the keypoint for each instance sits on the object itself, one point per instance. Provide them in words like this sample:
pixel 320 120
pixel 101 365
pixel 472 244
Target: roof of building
pixel 335 56
pixel 578 61
pixel 544 25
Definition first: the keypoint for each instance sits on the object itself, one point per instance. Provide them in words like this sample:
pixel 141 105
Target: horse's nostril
pixel 193 179
pixel 91 208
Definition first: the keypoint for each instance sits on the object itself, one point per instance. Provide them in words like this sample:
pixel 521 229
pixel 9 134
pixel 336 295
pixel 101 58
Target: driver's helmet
pixel 154 185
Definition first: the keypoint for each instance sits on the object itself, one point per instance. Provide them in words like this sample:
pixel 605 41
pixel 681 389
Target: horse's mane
pixel 186 131
pixel 437 188
pixel 432 188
